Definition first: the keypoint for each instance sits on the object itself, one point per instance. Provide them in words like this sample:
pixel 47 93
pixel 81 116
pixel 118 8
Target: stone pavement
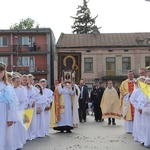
pixel 88 136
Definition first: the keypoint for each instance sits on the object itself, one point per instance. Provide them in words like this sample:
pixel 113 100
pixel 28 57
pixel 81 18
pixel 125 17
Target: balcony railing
pixel 28 48
pixel 24 48
pixel 117 72
pixel 35 69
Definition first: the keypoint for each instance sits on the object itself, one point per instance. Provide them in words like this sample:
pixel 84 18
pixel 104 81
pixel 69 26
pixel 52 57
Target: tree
pixel 27 23
pixel 83 22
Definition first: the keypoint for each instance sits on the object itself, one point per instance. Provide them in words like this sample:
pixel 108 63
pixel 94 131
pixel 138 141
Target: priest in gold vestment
pixel 126 89
pixel 110 104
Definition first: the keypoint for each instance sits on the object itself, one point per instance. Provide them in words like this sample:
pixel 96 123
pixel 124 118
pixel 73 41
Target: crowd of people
pixel 17 93
pixel 129 102
pixel 64 105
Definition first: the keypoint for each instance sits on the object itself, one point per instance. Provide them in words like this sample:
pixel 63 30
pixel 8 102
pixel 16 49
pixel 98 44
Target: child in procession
pixel 49 94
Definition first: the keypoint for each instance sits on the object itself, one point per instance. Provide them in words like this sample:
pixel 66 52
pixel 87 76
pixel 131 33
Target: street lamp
pixel 17 53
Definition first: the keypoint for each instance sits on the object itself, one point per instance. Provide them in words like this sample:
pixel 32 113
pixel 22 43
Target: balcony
pixel 13 49
pixel 116 74
pixel 33 69
pixel 27 48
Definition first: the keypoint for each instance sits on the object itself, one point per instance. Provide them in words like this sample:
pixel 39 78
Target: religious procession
pixel 29 109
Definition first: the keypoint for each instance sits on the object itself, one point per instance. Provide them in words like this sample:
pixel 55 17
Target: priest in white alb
pixel 64 115
pixel 126 89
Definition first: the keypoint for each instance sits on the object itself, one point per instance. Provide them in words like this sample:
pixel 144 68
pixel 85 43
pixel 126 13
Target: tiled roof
pixel 101 40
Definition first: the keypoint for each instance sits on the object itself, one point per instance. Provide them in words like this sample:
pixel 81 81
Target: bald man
pixel 83 100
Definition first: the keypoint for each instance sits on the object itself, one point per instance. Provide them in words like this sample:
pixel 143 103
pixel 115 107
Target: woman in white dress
pixel 41 103
pixel 8 109
pixel 144 109
pixel 134 99
pixel 20 132
pixel 31 133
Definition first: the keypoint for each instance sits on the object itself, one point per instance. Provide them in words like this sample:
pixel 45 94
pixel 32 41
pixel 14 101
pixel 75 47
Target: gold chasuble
pixel 110 104
pixel 127 108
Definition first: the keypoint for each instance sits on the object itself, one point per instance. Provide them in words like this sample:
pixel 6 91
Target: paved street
pixel 88 136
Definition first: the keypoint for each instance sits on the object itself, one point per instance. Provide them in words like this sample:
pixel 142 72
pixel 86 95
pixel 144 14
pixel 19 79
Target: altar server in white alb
pixel 8 110
pixel 41 103
pixel 20 133
pixel 49 94
pixel 75 105
pixel 31 133
pixel 36 93
pixel 31 83
pixel 144 109
pixel 134 99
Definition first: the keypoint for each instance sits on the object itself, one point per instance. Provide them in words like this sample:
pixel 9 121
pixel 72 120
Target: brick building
pixel 29 51
pixel 104 56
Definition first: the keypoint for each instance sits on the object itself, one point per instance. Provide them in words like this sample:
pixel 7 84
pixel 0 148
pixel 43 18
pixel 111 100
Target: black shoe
pixel 80 120
pixel 96 120
pixel 114 123
pixel 109 123
pixel 84 120
pixel 62 131
pixel 68 131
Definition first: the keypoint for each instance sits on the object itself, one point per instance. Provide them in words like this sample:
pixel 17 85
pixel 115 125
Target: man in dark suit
pixel 83 100
pixel 96 96
pixel 56 82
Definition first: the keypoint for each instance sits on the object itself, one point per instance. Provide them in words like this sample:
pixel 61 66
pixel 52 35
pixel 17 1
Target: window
pixel 88 64
pixel 110 66
pixel 26 61
pixel 125 50
pixel 147 61
pixel 110 50
pixel 110 59
pixel 3 41
pixel 25 41
pixel 4 60
pixel 126 63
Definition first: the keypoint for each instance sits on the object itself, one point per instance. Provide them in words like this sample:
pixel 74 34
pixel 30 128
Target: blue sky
pixel 113 15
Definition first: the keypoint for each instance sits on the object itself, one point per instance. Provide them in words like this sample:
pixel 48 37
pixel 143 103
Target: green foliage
pixel 27 23
pixel 83 22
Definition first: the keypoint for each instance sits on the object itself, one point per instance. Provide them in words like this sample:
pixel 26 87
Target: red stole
pixel 130 89
pixel 57 105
